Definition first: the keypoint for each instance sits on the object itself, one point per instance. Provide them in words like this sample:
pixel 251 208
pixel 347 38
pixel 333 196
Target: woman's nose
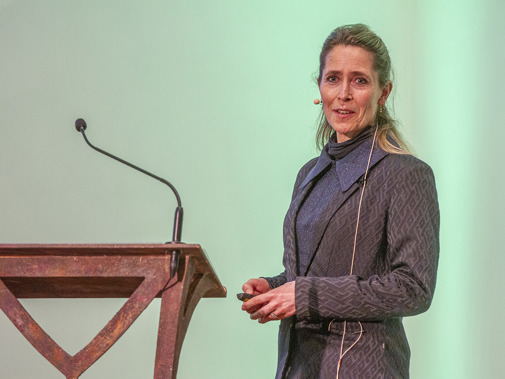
pixel 344 92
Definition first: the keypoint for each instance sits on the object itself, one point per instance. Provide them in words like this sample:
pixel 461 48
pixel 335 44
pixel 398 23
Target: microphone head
pixel 80 125
pixel 317 101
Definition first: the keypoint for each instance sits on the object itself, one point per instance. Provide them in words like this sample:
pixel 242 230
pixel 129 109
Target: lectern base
pixel 139 272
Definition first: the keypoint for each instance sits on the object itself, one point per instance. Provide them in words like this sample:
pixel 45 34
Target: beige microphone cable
pixel 342 353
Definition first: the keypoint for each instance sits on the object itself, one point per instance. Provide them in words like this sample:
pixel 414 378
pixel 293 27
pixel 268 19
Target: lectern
pixel 139 272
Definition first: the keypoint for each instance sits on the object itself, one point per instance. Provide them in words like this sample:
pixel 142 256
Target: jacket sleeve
pixel 276 281
pixel 407 288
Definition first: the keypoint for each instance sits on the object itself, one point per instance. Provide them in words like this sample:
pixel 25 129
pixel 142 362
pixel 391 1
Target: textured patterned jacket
pixel 394 269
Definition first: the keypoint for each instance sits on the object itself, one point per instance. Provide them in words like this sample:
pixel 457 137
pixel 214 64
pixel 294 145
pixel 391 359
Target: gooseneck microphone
pixel 80 126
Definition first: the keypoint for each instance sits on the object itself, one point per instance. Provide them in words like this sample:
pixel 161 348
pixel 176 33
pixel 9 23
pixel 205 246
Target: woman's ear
pixel 386 90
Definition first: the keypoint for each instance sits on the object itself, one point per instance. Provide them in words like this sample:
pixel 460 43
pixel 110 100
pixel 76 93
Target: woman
pixel 361 233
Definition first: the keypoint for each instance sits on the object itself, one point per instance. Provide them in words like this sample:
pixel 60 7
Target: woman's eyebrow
pixel 353 73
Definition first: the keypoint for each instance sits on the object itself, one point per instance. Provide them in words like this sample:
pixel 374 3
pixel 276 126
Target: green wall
pixel 216 96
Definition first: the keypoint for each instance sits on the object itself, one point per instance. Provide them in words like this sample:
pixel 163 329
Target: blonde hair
pixel 360 35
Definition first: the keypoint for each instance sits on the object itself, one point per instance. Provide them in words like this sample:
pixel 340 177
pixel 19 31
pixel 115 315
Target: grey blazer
pixel 394 269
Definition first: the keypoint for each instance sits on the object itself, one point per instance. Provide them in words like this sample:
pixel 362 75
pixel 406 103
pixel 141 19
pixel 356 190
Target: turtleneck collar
pixel 354 162
pixel 337 151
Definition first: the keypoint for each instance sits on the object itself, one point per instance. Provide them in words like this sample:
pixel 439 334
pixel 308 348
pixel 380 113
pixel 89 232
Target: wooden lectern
pixel 139 272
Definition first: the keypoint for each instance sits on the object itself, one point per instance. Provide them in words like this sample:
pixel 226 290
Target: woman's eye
pixel 361 81
pixel 332 78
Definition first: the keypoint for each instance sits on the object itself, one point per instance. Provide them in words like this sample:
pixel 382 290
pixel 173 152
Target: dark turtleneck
pixel 321 194
pixel 337 151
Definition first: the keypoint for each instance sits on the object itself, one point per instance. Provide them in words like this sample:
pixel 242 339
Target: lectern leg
pixel 177 305
pixel 173 324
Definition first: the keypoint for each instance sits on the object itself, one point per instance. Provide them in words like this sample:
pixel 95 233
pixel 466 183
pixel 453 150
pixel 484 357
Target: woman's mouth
pixel 343 112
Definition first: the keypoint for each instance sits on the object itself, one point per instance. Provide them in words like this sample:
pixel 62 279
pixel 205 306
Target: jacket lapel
pixel 349 170
pixel 338 199
pixel 290 255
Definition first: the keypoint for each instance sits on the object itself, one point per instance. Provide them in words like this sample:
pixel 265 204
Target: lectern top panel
pixel 106 270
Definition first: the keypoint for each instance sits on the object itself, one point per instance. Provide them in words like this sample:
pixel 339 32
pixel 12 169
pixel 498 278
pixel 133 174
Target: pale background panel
pixel 217 98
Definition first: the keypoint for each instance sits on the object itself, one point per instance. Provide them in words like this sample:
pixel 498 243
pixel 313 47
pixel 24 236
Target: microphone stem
pixel 176 237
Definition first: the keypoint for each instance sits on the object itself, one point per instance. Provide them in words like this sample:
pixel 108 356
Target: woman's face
pixel 350 90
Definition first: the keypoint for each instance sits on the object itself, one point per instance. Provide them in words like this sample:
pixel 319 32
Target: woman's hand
pixel 270 305
pixel 256 286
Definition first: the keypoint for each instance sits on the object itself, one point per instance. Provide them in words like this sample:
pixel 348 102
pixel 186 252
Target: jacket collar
pixel 351 167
